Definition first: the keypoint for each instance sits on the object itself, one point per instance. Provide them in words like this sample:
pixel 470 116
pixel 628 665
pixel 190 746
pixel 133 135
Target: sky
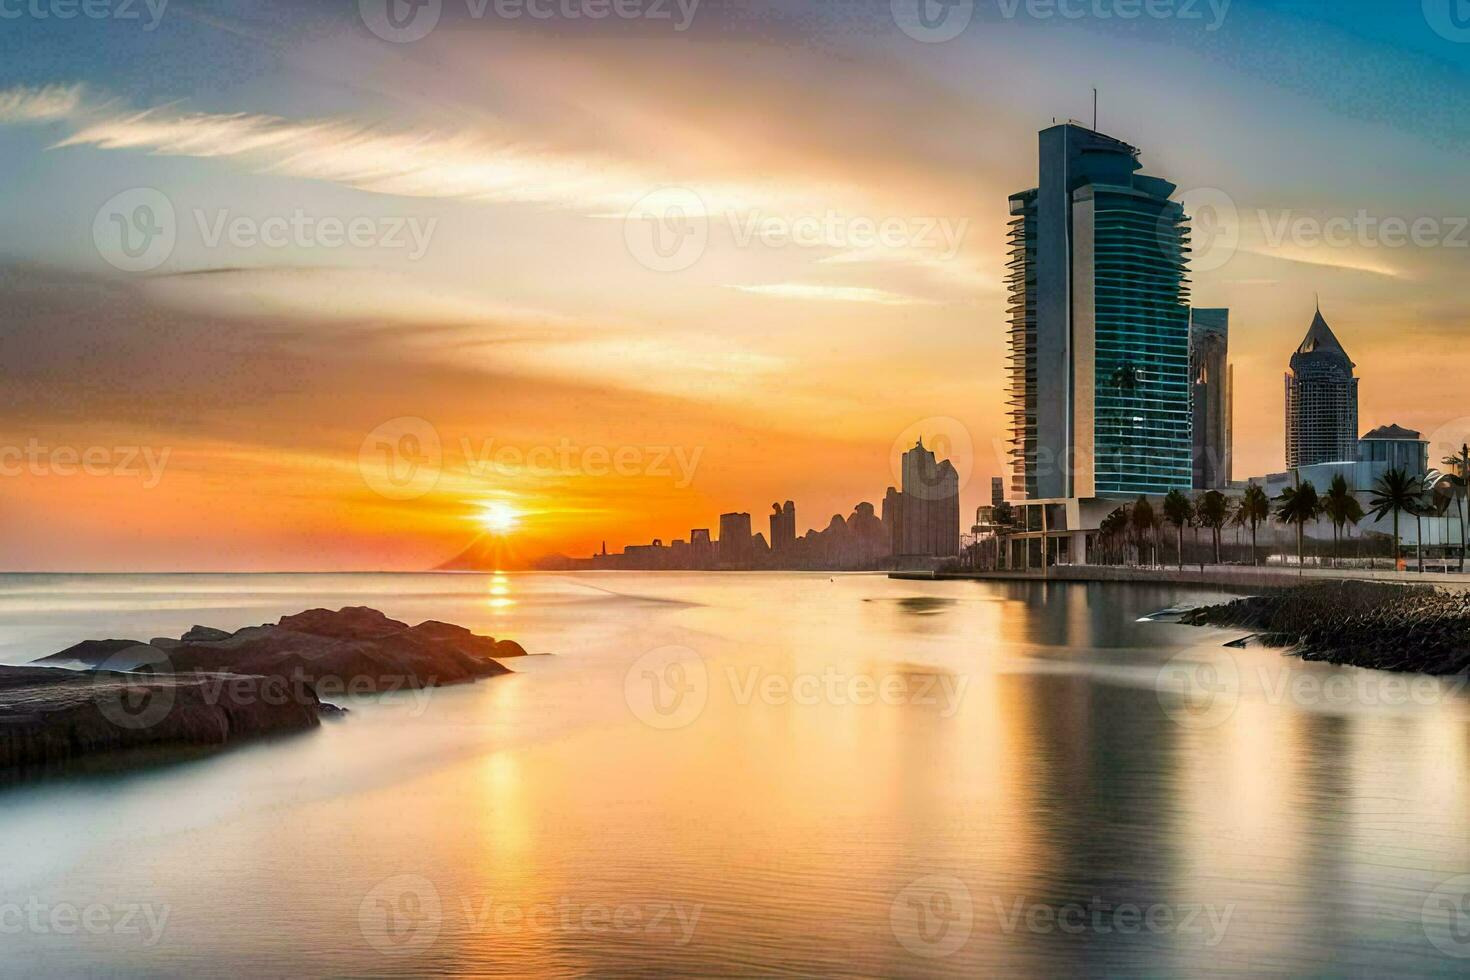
pixel 289 286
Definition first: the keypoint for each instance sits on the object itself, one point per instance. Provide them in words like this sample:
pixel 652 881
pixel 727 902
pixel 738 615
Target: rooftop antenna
pixel 1094 110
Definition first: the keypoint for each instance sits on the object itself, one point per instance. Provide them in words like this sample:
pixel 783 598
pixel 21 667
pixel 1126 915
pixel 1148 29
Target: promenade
pixel 1242 577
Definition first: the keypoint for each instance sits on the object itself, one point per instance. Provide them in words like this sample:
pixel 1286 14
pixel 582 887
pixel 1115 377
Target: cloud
pixel 840 294
pixel 37 105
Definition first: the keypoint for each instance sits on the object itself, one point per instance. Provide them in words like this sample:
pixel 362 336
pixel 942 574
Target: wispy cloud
pixel 841 294
pixel 35 105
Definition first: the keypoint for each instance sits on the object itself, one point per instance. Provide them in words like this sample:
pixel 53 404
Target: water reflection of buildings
pixel 920 526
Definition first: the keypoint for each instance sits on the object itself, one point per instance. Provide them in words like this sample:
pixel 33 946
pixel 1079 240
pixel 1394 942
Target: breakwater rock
pixel 1417 628
pixel 210 687
pixel 49 716
pixel 354 650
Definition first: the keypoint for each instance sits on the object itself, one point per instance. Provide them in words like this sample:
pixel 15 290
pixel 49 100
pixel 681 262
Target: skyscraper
pixel 1211 380
pixel 1321 400
pixel 924 518
pixel 736 546
pixel 1099 325
pixel 783 527
pixel 997 491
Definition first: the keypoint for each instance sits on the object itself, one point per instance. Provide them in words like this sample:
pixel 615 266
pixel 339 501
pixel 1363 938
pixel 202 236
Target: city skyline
pixel 257 374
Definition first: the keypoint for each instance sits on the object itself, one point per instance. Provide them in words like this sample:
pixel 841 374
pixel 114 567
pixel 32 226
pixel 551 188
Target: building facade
pixel 1321 400
pixel 1393 447
pixel 1099 383
pixel 735 545
pixel 1211 397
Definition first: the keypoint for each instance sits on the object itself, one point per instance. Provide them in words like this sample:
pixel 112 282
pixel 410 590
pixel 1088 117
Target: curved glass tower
pixel 1099 326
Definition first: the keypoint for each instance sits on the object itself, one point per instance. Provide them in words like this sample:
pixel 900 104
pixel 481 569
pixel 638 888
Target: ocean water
pixel 761 774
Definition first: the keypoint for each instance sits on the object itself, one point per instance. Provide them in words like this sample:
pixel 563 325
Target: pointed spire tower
pixel 1321 400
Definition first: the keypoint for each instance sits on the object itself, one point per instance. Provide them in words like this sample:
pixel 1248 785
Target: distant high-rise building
pixel 1321 400
pixel 783 527
pixel 701 548
pixel 924 517
pixel 1210 374
pixel 735 539
pixel 997 491
pixel 1099 325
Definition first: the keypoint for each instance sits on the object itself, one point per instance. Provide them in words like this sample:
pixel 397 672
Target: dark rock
pixel 202 634
pixel 49 716
pixel 1366 624
pixel 353 650
pixel 94 651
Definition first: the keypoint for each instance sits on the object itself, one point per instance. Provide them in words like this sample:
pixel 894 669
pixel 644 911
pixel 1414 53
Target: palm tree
pixel 1298 505
pixel 1459 477
pixel 1178 511
pixel 1143 522
pixel 1341 507
pixel 1213 510
pixel 1255 507
pixel 1396 493
pixel 1113 528
pixel 1457 488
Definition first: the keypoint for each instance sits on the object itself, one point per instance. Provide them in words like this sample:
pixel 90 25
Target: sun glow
pixel 499 518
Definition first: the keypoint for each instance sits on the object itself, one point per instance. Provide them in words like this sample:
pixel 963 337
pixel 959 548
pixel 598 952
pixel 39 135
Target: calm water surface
pixel 759 775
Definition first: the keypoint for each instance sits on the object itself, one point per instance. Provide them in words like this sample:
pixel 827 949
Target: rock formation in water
pixel 1365 624
pixel 354 650
pixel 209 686
pixel 48 716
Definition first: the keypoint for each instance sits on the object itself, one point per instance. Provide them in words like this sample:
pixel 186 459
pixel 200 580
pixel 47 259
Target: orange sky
pixel 538 344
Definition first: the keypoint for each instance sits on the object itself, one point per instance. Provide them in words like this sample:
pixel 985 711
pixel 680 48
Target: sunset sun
pixel 499 518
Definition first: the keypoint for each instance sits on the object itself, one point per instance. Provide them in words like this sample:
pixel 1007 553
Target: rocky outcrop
pixel 49 716
pixel 210 687
pixel 352 650
pixel 1365 624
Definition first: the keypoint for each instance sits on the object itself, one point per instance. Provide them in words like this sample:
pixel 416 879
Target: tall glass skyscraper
pixel 1099 325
